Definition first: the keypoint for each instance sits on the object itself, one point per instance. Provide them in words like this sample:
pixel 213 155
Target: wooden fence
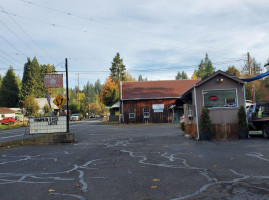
pixel 227 131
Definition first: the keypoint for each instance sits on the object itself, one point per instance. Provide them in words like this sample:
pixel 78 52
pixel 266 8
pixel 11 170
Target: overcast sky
pixel 155 38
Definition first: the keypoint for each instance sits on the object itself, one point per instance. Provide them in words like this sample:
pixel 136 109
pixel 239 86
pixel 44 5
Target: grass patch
pixel 41 140
pixel 12 126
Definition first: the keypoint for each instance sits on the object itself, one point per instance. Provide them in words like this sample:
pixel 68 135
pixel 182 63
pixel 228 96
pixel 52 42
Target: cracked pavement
pixel 140 162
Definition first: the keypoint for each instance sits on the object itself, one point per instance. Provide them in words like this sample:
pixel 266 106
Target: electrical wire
pixel 96 33
pixel 117 26
pixel 29 36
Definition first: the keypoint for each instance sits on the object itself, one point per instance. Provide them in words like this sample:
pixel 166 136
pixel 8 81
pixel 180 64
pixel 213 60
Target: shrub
pixel 205 122
pixel 242 122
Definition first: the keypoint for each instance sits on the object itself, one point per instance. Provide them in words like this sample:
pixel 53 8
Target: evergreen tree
pixel 31 81
pixel 89 91
pixel 140 78
pixel 0 80
pixel 205 68
pixel 9 92
pixel 98 87
pixel 181 75
pixel 117 69
pixel 178 76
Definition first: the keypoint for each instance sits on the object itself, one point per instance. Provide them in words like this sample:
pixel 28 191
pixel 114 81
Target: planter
pixel 243 134
pixel 205 135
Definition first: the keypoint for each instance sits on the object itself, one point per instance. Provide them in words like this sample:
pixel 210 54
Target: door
pixel 178 112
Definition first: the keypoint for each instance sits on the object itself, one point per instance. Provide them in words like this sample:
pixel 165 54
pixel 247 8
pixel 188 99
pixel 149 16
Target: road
pixel 136 162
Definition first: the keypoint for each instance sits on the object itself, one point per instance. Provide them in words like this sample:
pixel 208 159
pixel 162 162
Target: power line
pixel 10 57
pixel 98 34
pixel 28 35
pixel 113 25
pixel 19 38
pixel 157 69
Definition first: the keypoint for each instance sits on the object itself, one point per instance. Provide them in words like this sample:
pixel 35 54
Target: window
pixel 131 113
pixel 146 112
pixel 189 110
pixel 220 98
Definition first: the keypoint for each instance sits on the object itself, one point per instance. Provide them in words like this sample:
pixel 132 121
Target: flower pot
pixel 243 134
pixel 205 135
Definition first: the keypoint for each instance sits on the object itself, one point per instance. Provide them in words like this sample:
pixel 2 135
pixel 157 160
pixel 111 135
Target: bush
pixel 31 106
pixel 242 122
pixel 182 126
pixel 205 122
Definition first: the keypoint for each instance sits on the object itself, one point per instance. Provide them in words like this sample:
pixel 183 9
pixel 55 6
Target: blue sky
pixel 165 36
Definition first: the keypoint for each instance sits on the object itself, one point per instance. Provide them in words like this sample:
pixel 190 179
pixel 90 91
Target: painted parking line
pixel 11 136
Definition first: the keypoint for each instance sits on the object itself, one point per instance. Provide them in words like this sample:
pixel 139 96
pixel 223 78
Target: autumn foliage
pixel 110 93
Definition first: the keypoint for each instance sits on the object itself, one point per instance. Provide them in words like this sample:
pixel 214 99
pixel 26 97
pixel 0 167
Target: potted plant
pixel 205 124
pixel 242 123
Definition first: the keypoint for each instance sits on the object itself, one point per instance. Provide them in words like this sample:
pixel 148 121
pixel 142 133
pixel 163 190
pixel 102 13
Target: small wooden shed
pixel 223 95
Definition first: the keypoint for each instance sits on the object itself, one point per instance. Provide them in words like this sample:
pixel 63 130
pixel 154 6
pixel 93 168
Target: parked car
pixel 97 116
pixel 181 119
pixel 92 116
pixel 75 117
pixel 7 120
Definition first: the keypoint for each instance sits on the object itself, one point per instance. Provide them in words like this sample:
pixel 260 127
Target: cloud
pixel 148 34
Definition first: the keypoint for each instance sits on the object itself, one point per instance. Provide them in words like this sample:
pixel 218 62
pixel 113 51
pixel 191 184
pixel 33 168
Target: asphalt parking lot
pixel 140 162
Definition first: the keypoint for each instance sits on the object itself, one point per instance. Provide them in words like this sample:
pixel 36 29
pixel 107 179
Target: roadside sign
pixel 59 101
pixel 53 81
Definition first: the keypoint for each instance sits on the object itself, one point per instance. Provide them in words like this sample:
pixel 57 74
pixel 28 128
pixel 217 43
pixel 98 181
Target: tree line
pixel 96 98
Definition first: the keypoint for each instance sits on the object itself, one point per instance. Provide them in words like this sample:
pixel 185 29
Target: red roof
pixel 4 110
pixel 155 89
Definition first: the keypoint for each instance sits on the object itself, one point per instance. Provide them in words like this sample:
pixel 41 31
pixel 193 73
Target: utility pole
pixel 67 96
pixel 250 74
pixel 78 90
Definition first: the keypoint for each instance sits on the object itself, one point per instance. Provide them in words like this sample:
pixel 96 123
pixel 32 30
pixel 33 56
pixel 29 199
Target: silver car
pixel 75 117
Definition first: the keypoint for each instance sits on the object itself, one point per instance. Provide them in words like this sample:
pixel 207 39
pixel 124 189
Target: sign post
pixel 67 97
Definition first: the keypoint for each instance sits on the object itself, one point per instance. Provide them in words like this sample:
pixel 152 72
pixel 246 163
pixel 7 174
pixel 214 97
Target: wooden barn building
pixel 152 101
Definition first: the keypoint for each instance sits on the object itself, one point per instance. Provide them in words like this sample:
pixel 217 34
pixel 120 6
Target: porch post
pixel 196 113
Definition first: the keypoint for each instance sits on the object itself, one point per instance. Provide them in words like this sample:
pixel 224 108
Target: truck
pixel 7 120
pixel 258 117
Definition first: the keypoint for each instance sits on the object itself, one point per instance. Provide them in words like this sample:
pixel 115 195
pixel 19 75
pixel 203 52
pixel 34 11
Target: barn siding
pixel 138 105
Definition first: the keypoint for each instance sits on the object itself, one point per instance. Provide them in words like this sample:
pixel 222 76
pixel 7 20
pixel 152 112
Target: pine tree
pixel 9 92
pixel 178 76
pixel 117 69
pixel 98 87
pixel 205 68
pixel 181 75
pixel 140 78
pixel 31 81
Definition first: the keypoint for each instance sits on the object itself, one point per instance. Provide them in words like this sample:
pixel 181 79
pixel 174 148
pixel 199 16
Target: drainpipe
pixel 244 92
pixel 196 113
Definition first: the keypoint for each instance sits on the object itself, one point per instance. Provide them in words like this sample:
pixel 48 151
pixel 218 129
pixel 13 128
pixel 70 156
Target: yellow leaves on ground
pixel 51 190
pixel 153 186
pixel 156 180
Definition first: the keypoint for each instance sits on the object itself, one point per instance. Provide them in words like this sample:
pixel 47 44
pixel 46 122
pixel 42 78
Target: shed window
pixel 189 110
pixel 220 98
pixel 131 113
pixel 146 112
